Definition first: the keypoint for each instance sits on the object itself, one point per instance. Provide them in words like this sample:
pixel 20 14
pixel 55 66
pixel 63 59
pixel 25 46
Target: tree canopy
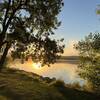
pixel 26 27
pixel 89 51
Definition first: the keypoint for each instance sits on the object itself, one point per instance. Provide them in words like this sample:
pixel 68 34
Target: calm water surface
pixel 63 71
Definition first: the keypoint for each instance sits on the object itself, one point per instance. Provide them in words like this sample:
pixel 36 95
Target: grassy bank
pixel 20 85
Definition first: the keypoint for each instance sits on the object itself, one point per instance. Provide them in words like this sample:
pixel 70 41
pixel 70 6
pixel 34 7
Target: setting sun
pixel 37 65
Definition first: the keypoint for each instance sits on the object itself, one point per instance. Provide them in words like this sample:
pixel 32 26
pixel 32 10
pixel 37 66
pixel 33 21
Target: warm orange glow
pixel 37 65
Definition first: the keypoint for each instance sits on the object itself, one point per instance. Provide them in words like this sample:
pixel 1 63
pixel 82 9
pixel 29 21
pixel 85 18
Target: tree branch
pixel 3 43
pixel 6 13
pixel 9 21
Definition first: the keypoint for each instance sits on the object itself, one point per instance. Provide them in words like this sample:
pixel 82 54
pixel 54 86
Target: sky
pixel 78 19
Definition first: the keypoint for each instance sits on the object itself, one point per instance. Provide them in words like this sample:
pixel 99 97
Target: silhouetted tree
pixel 26 27
pixel 89 51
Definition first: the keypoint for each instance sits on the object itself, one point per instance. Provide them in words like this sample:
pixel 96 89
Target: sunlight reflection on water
pixel 63 71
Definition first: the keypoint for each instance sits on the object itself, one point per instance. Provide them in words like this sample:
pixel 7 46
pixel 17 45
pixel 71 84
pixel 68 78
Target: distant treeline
pixel 68 59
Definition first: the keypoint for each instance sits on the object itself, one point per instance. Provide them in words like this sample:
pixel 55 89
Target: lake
pixel 66 71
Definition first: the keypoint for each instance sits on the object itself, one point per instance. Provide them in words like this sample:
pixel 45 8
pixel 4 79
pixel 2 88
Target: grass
pixel 21 85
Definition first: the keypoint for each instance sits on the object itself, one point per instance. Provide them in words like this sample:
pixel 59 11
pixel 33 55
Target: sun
pixel 37 65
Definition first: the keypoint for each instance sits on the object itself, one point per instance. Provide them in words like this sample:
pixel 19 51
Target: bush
pixel 58 83
pixel 89 66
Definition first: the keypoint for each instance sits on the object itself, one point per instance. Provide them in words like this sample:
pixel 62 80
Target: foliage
pixel 27 25
pixel 89 51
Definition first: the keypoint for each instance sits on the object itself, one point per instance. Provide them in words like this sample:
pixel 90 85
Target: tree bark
pixel 2 43
pixel 3 57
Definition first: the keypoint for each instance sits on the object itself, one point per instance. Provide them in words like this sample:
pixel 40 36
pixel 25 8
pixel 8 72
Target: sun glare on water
pixel 37 65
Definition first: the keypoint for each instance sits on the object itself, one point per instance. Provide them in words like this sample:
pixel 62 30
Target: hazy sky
pixel 78 19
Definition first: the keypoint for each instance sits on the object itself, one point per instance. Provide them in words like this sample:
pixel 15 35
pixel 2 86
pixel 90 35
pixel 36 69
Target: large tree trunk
pixel 3 57
pixel 1 41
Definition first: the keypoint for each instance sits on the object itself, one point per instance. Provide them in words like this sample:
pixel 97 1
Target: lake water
pixel 63 71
